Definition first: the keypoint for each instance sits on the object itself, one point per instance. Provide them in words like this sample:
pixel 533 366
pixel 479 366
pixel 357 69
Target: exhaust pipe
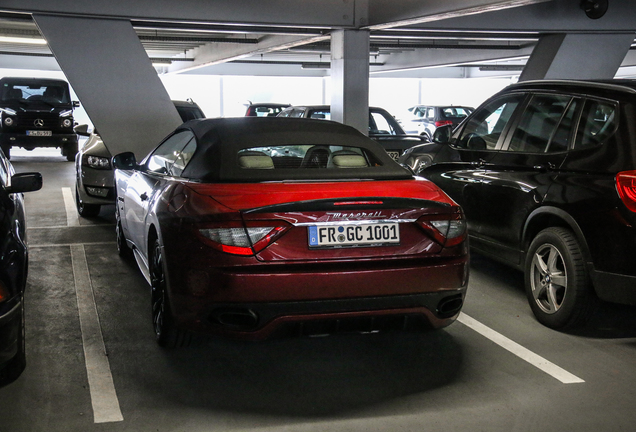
pixel 450 306
pixel 238 319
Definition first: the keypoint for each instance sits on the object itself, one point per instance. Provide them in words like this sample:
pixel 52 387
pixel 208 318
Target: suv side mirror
pixel 125 161
pixel 442 134
pixel 25 182
pixel 81 130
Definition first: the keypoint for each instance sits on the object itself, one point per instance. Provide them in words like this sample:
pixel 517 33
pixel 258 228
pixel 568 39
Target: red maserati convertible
pixel 260 227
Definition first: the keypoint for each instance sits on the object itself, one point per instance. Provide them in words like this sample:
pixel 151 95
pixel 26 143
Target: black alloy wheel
pixel 557 284
pixel 83 209
pixel 16 366
pixel 167 334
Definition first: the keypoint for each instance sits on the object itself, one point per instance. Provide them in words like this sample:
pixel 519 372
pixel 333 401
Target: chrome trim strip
pixel 350 222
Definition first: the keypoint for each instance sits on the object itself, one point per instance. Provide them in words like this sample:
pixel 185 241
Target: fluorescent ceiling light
pixel 24 40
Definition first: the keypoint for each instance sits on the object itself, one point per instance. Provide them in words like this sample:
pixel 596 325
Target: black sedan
pixel 13 268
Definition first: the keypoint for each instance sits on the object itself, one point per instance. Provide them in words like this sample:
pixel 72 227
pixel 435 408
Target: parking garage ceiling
pixel 481 38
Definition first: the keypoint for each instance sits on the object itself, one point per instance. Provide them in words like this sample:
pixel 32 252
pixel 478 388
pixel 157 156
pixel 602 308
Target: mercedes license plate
pixel 41 133
pixel 394 154
pixel 352 235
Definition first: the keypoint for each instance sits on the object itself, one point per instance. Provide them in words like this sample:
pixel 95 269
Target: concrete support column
pixel 114 79
pixel 577 56
pixel 350 78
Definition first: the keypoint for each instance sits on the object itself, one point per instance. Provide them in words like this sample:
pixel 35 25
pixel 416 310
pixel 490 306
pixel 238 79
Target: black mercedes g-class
pixel 37 112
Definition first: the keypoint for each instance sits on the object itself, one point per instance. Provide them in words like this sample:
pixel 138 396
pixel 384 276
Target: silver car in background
pixel 95 179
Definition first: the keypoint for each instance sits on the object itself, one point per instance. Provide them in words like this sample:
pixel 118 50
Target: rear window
pixel 320 114
pixel 306 157
pixel 455 112
pixel 598 123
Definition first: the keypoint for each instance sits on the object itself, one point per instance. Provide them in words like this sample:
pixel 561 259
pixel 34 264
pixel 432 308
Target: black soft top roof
pixel 220 140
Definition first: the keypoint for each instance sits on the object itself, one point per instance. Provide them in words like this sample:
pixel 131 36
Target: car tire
pixel 557 284
pixel 6 149
pixel 122 245
pixel 70 151
pixel 16 366
pixel 85 210
pixel 167 334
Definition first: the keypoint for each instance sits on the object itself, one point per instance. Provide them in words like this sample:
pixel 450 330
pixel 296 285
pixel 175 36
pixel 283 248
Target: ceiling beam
pixel 384 14
pixel 214 53
pixel 557 16
pixel 312 13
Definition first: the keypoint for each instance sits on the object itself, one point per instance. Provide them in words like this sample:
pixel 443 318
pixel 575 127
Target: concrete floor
pixel 455 379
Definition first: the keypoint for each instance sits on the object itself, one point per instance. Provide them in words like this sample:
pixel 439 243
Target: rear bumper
pixel 614 287
pixel 291 300
pixel 259 321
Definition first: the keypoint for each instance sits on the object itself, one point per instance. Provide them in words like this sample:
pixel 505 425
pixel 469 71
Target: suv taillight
pixel 626 187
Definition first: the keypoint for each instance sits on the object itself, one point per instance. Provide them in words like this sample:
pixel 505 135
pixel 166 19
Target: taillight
pixel 626 187
pixel 234 238
pixel 447 232
pixel 4 292
pixel 440 123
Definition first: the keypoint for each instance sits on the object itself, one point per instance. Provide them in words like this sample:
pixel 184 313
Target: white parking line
pixel 100 380
pixel 525 354
pixel 72 219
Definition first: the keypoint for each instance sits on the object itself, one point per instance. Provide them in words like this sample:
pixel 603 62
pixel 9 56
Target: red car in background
pixel 256 227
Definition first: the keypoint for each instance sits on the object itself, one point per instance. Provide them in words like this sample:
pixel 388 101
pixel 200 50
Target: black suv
pixel 546 174
pixel 37 112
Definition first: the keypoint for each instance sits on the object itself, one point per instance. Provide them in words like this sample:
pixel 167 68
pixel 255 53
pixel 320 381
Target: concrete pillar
pixel 577 56
pixel 114 79
pixel 350 78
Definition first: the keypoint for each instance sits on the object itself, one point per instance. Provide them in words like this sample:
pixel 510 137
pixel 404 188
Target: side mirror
pixel 25 182
pixel 442 134
pixel 125 161
pixel 81 130
pixel 76 104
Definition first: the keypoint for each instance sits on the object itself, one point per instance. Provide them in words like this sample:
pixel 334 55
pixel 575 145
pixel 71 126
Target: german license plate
pixel 394 154
pixel 41 133
pixel 353 235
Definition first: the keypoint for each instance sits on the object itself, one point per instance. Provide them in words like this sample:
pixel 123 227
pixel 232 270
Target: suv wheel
pixel 70 150
pixel 557 284
pixel 14 368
